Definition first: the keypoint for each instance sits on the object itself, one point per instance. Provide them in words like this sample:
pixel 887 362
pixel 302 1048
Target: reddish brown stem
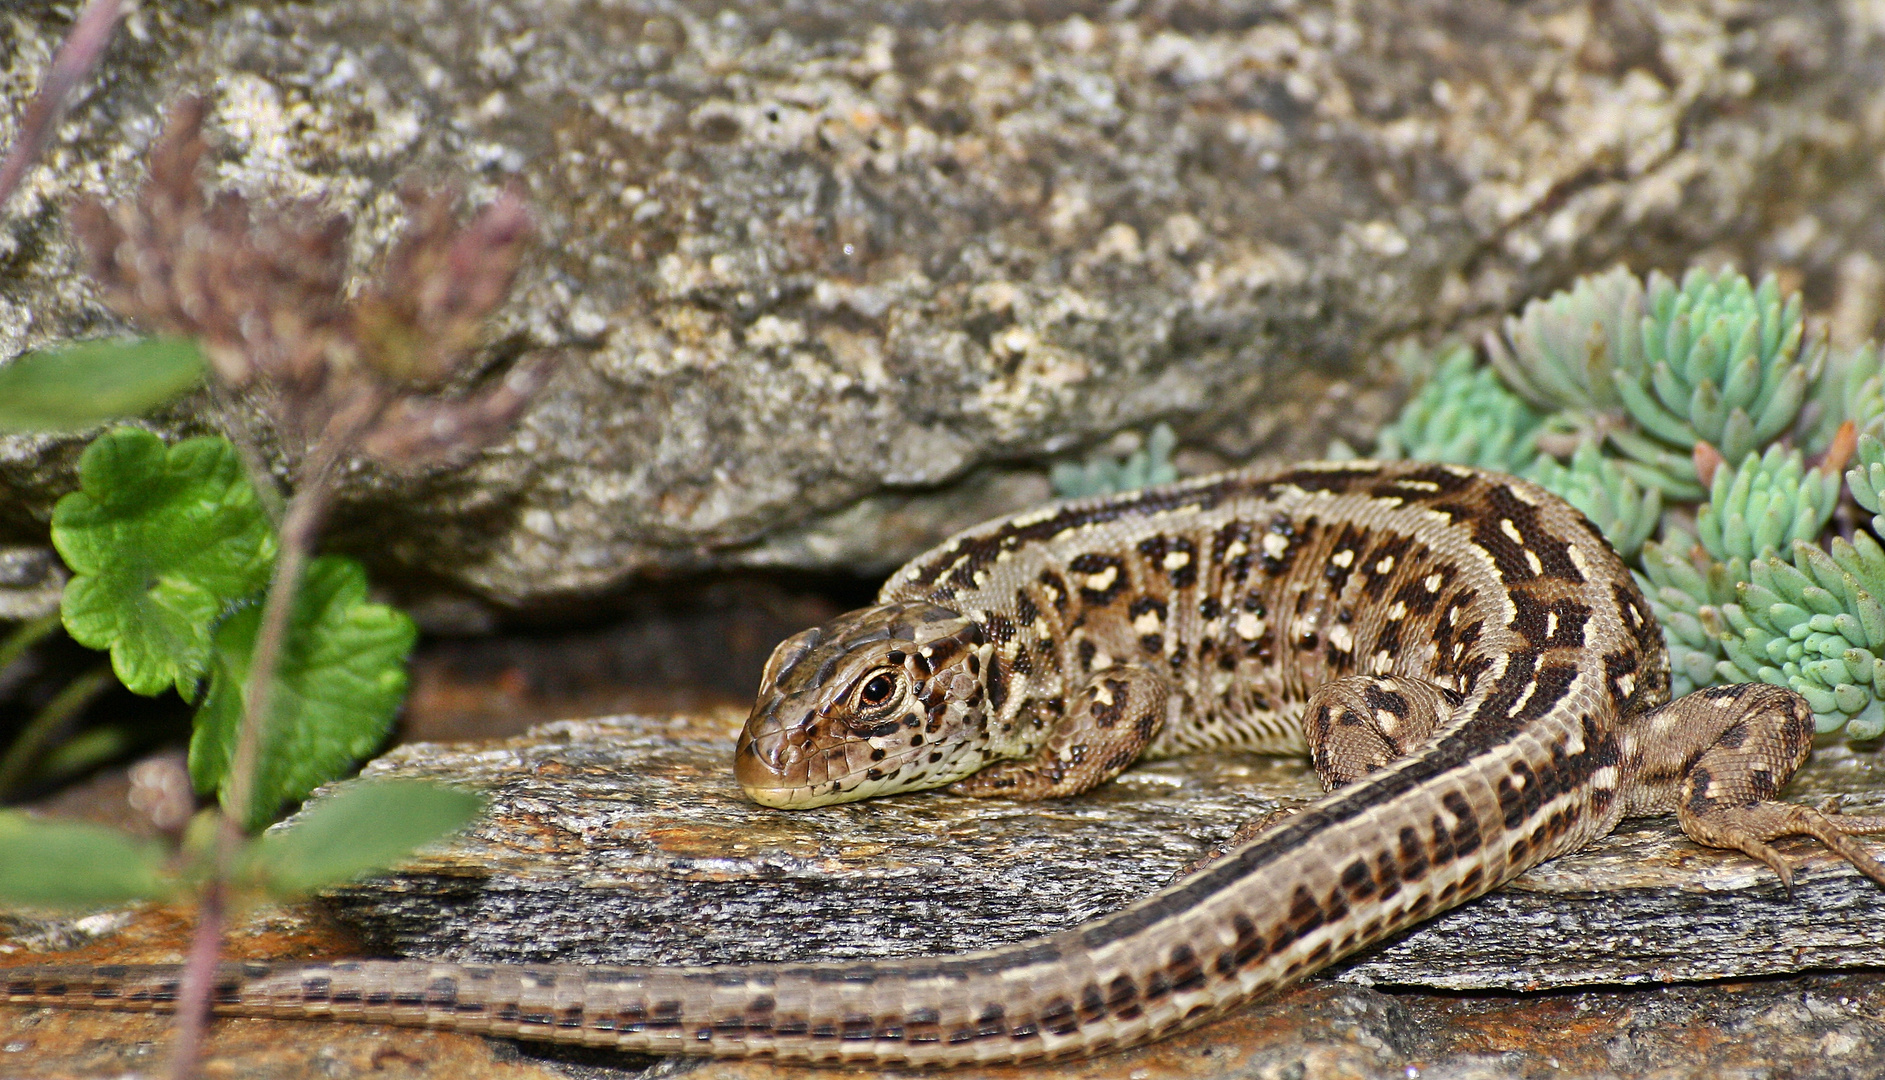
pixel 199 973
pixel 76 57
pixel 300 524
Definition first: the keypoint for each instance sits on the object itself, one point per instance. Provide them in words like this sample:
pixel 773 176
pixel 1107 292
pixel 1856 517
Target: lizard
pixel 1471 669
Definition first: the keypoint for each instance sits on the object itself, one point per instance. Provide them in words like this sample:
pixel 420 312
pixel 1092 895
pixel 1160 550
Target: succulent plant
pixel 1686 589
pixel 1764 505
pixel 1815 623
pixel 1463 415
pixel 1852 387
pixel 1562 352
pixel 1625 511
pixel 1102 474
pixel 1722 362
pixel 1866 479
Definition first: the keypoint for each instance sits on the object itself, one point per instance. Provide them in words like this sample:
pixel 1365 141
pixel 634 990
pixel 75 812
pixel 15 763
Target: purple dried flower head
pixel 439 285
pixel 266 300
pixel 261 299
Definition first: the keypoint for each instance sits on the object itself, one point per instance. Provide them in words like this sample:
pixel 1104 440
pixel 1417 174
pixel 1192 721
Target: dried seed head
pixel 262 299
pixel 439 285
pixel 266 300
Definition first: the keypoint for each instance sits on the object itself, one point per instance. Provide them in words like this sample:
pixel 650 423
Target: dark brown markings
pixel 1210 608
pixel 1107 713
pixel 976 552
pixel 1093 565
pixel 1420 485
pixel 1519 794
pixel 996 681
pixel 998 628
pixel 1025 610
pixel 1380 697
pixel 1374 582
pixel 1186 575
pixel 1236 568
pixel 1502 505
pixel 1357 881
pixel 1637 616
pixel 1334 481
pixel 1057 1016
pixel 1296 535
pixel 1354 541
pixel 1183 969
pixel 1387 875
pixel 1056 587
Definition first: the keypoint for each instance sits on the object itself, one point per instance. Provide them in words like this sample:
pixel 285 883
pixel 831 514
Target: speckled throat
pixel 1469 665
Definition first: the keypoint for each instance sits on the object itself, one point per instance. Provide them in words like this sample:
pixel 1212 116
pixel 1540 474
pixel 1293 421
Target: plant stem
pixel 67 703
pixel 199 974
pixel 300 523
pixel 84 43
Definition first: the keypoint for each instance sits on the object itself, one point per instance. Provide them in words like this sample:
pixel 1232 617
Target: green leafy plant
pixel 161 542
pixel 341 677
pixel 1704 431
pixel 184 573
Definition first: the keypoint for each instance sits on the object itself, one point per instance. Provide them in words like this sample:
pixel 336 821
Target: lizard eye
pixel 877 690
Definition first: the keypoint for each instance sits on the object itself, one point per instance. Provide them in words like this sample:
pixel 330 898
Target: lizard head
pixel 885 699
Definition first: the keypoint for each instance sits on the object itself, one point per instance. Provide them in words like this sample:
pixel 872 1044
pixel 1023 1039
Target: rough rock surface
pixel 626 841
pixel 833 277
pixel 611 839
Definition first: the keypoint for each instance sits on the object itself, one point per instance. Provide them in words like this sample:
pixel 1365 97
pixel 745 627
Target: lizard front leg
pixel 1718 758
pixel 1111 720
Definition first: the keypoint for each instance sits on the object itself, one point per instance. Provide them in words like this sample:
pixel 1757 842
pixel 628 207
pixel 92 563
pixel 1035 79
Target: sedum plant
pixel 1626 511
pixel 1103 474
pixel 1815 622
pixel 1462 415
pixel 1765 505
pixel 1722 362
pixel 1705 432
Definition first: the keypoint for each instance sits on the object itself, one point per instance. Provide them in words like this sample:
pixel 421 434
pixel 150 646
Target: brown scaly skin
pixel 1471 669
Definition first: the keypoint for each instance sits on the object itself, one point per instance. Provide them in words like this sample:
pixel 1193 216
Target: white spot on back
pixel 1275 544
pixel 1103 580
pixel 1576 555
pixel 1343 558
pixel 1341 638
pixel 1177 560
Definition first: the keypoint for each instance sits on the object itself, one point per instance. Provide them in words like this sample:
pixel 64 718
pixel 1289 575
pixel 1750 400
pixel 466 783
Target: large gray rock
pixel 835 277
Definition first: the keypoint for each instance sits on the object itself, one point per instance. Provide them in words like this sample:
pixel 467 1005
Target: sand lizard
pixel 1471 669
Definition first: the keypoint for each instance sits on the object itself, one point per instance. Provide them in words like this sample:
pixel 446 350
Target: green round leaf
pixel 341 678
pixel 161 542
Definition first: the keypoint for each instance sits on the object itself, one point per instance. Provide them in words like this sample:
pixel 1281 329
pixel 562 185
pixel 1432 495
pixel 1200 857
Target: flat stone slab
pixel 625 840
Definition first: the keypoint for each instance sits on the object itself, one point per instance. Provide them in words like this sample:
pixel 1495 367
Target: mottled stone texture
pixel 834 277
pixel 627 841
